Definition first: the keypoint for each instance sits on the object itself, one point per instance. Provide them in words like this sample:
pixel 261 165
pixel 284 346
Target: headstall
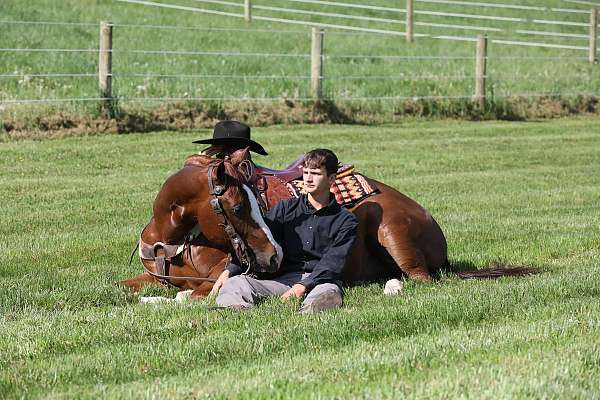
pixel 239 247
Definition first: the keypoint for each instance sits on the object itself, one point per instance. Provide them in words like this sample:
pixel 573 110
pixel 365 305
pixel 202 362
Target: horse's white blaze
pixel 257 216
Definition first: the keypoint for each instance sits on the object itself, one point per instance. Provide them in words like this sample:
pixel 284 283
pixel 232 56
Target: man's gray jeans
pixel 242 291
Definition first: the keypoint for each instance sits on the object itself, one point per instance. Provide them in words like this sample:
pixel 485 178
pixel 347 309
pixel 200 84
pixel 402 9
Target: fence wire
pixel 587 75
pixel 562 35
pixel 307 99
pixel 288 55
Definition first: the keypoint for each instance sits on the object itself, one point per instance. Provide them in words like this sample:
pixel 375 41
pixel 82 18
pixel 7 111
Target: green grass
pixel 519 193
pixel 418 77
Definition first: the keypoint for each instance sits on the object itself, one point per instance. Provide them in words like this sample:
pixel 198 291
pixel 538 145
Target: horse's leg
pixel 368 261
pixel 202 290
pixel 208 262
pixel 409 258
pixel 389 237
pixel 139 281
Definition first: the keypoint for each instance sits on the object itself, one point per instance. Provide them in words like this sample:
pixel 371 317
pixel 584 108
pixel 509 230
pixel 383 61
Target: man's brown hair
pixel 319 158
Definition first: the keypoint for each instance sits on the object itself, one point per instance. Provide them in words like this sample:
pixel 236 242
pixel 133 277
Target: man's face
pixel 316 181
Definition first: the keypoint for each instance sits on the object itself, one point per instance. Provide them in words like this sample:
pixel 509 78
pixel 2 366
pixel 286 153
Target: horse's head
pixel 237 203
pixel 211 196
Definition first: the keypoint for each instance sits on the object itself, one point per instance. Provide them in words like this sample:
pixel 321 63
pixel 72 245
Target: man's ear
pixel 332 178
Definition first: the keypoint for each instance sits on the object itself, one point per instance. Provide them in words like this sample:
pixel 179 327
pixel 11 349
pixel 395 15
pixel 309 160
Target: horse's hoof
pixel 393 287
pixel 154 300
pixel 183 296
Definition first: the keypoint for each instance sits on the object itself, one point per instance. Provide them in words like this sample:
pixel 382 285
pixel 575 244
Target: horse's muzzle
pixel 262 266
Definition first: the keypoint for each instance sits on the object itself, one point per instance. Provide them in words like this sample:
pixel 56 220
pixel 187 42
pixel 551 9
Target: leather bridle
pixel 242 253
pixel 170 251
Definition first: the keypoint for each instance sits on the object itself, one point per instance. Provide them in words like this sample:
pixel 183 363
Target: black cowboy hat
pixel 233 133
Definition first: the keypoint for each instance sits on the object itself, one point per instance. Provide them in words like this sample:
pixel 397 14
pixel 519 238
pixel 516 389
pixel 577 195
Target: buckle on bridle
pixel 219 190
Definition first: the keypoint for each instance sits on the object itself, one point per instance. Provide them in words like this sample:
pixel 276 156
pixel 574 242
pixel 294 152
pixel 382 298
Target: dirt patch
pixel 190 115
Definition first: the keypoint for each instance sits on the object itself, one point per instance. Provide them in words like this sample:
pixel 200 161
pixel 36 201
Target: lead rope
pixel 137 246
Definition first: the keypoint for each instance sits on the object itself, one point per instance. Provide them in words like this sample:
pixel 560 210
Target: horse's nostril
pixel 273 263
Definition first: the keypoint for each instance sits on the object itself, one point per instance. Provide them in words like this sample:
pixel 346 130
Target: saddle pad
pixel 349 188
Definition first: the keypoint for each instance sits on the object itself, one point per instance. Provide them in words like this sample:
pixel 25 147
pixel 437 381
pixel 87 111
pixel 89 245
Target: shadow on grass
pixel 328 111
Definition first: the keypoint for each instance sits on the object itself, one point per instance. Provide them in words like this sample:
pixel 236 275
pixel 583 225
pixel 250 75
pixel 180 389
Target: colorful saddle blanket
pixel 349 188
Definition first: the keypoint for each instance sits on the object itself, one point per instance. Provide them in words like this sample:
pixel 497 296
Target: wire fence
pixel 524 95
pixel 288 13
pixel 271 80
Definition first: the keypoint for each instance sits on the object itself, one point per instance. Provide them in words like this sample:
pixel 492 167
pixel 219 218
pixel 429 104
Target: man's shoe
pixel 326 301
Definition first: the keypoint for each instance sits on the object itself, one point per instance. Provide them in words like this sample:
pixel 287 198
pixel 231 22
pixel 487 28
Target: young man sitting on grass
pixel 316 235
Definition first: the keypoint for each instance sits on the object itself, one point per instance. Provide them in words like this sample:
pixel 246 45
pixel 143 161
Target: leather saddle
pixel 290 173
pixel 271 184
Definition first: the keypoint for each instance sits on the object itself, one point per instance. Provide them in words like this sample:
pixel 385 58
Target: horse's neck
pixel 200 160
pixel 177 204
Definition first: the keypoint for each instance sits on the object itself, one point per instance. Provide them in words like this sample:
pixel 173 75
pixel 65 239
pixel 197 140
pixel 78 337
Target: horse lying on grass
pixel 203 213
pixel 207 211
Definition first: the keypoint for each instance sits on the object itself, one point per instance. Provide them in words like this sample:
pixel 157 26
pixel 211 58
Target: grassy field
pixel 518 193
pixel 347 74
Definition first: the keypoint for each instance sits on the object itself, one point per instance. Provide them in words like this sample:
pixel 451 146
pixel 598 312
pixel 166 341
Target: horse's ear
pixel 240 155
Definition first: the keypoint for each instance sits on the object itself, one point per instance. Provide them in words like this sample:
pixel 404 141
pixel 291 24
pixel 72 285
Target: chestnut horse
pixel 396 236
pixel 203 213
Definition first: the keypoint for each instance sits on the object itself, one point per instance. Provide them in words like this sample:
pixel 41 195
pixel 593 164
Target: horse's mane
pixel 200 160
pixel 205 161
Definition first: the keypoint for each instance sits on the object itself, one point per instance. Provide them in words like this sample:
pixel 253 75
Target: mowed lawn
pixel 513 193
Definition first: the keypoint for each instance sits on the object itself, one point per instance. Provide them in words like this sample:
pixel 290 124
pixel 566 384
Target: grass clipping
pixel 50 122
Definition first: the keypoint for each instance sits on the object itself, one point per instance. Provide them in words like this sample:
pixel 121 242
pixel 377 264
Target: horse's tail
pixel 496 270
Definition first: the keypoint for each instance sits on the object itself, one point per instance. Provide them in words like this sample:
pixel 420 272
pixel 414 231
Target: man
pixel 229 136
pixel 316 235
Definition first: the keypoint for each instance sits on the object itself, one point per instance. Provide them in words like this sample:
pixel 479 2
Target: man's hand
pixel 297 290
pixel 220 281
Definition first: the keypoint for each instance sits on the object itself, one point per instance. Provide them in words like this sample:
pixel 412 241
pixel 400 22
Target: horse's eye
pixel 237 209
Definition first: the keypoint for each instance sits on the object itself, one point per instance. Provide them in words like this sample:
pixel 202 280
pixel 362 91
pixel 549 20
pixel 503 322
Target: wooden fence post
pixel 316 69
pixel 105 64
pixel 409 21
pixel 480 71
pixel 593 35
pixel 248 10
